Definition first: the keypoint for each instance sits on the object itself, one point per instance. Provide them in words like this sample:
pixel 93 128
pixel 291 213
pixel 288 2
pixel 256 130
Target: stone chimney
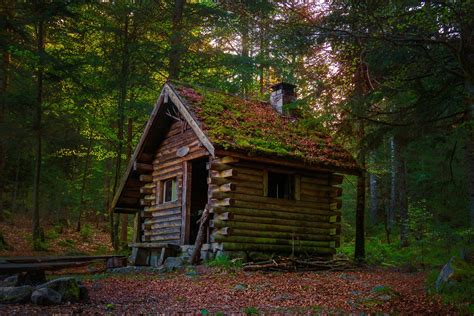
pixel 282 93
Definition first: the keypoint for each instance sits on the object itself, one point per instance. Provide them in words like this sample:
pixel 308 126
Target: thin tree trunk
pixel 393 184
pixel 374 198
pixel 37 124
pixel 107 181
pixel 359 253
pixel 470 146
pixel 176 40
pixel 84 178
pixel 124 219
pixel 15 187
pixel 124 74
pixel 403 201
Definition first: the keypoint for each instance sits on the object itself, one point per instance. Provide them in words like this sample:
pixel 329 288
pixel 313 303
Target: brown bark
pixel 201 236
pixel 176 40
pixel 40 34
pixel 84 178
pixel 124 219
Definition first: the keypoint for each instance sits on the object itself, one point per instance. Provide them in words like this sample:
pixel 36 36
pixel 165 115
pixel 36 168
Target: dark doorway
pixel 199 176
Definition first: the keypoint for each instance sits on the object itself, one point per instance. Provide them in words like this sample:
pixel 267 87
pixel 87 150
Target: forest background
pixel 391 81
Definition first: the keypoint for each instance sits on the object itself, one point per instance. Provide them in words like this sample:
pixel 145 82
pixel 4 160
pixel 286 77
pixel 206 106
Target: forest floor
pixel 59 239
pixel 209 291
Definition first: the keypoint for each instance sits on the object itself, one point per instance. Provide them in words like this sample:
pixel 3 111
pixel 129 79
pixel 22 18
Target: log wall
pixel 247 220
pixel 163 222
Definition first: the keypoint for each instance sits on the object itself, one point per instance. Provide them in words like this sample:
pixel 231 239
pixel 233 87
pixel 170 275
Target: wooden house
pixel 270 181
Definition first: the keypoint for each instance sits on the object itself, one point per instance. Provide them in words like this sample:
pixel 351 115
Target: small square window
pixel 170 192
pixel 281 186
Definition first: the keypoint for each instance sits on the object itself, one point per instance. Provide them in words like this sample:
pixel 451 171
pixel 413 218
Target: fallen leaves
pixel 328 292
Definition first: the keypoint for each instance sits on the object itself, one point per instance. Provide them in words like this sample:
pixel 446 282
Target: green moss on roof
pixel 234 123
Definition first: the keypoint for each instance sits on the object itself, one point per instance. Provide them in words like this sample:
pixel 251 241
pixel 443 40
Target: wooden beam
pixel 286 163
pixel 142 167
pixel 186 204
pixel 146 178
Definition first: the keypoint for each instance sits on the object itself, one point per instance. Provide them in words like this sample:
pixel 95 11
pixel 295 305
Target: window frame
pixel 174 190
pixel 292 185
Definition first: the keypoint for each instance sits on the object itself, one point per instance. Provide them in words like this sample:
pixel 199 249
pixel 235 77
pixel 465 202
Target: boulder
pixel 10 281
pixel 173 263
pixel 17 294
pixel 46 296
pixel 68 288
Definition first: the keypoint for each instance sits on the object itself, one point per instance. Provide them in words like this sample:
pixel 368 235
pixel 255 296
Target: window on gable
pixel 170 190
pixel 281 186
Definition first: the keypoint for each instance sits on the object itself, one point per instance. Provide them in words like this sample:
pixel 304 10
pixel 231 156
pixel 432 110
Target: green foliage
pixel 69 243
pixel 223 262
pixel 251 311
pixel 87 232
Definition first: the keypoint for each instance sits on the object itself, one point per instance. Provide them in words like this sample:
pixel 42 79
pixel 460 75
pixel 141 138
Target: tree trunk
pixel 124 74
pixel 403 201
pixel 374 198
pixel 40 34
pixel 176 40
pixel 470 146
pixel 392 211
pixel 84 178
pixel 359 253
pixel 124 219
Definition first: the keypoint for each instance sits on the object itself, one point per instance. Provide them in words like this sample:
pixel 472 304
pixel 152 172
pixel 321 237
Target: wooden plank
pixel 162 231
pixel 227 231
pixel 275 214
pixel 229 246
pixel 283 208
pixel 46 259
pixel 6 268
pixel 276 228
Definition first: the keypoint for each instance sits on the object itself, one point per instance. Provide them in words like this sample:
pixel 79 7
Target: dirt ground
pixel 208 291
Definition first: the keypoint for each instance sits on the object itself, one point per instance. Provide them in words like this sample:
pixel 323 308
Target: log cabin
pixel 270 181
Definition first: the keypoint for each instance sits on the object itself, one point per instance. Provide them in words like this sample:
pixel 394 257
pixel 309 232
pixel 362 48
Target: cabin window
pixel 281 186
pixel 170 191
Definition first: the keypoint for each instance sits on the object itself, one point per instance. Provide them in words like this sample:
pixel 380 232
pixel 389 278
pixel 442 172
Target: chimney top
pixel 282 93
pixel 285 86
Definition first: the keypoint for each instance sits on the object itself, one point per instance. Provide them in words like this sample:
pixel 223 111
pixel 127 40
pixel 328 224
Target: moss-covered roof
pixel 234 123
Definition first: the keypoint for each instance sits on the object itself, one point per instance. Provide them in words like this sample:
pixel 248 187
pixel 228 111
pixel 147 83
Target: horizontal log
pixel 143 214
pixel 147 190
pixel 162 219
pixel 162 231
pixel 274 234
pixel 218 166
pixel 228 246
pixel 332 180
pixel 177 173
pixel 274 241
pixel 275 221
pixel 276 214
pixel 164 206
pixel 224 174
pixel 170 224
pixel 159 170
pixel 241 188
pixel 171 238
pixel 226 187
pixel 144 202
pixel 150 197
pixel 172 211
pixel 228 159
pixel 276 228
pixel 249 171
pixel 218 181
pixel 282 208
pixel 282 202
pixel 146 178
pixel 221 202
pixel 142 167
pixel 153 245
